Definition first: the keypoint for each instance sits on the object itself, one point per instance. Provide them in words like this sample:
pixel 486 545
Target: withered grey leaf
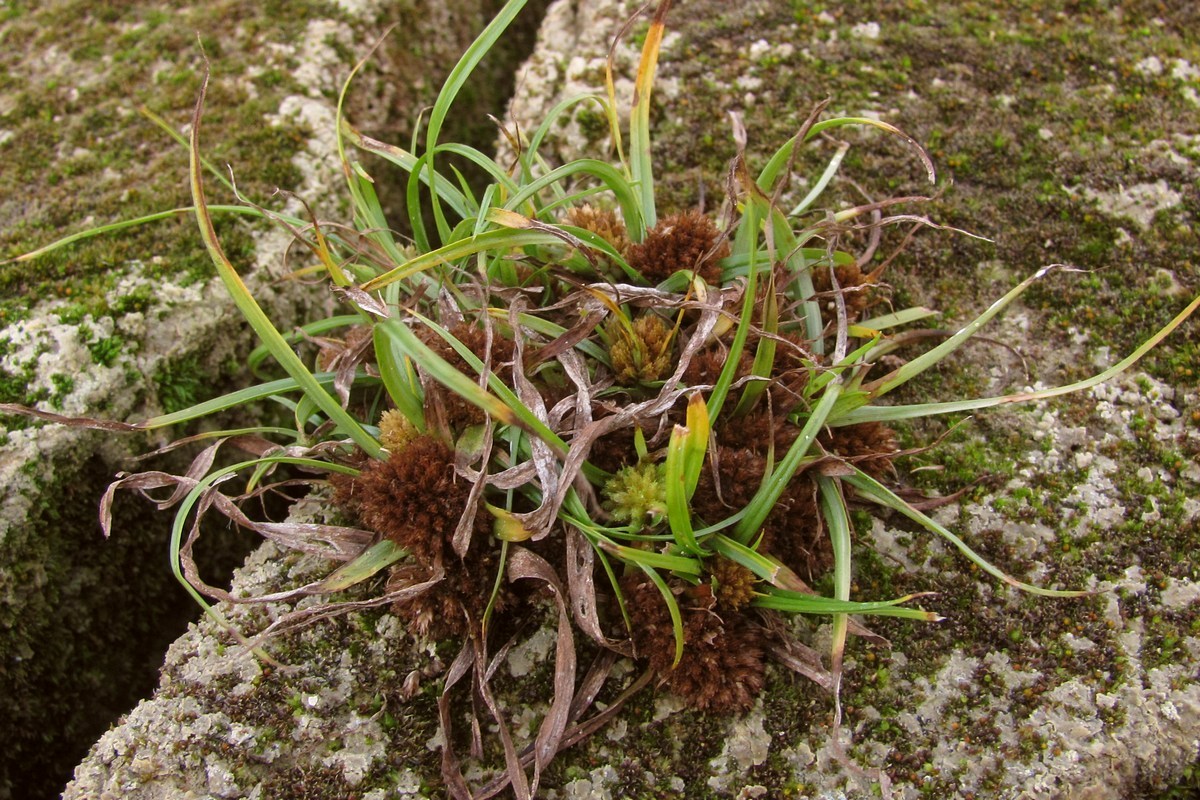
pixel 525 564
pixel 593 682
pixel 566 341
pixel 581 561
pixel 451 767
pixel 512 760
pixel 574 734
pixel 73 422
pixel 309 615
pixel 460 542
pixel 545 460
pixel 141 482
pixel 802 660
pixel 335 542
pixel 834 467
pixel 364 300
pixel 513 477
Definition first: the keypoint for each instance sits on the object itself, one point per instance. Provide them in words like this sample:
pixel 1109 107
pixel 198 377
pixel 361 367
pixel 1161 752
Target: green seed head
pixel 637 494
pixel 644 356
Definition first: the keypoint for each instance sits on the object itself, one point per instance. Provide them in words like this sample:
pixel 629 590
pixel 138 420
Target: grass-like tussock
pixel 550 397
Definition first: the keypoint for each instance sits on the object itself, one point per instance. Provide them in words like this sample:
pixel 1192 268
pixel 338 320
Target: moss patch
pixel 77 153
pixel 1021 108
pixel 61 609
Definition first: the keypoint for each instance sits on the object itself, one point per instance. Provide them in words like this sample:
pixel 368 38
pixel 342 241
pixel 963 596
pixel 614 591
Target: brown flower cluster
pixel 722 665
pixel 732 584
pixel 603 222
pixel 792 532
pixel 855 286
pixel 705 367
pixel 415 499
pixel 644 355
pixel 615 450
pixel 445 405
pixel 687 241
pixel 870 446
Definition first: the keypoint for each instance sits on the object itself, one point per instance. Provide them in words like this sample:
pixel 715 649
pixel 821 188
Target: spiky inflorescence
pixel 722 665
pixel 705 367
pixel 603 222
pixel 615 450
pixel 792 532
pixel 727 489
pixel 757 431
pixel 395 431
pixel 460 413
pixel 644 355
pixel 733 584
pixel 688 241
pixel 636 494
pixel 854 284
pixel 870 446
pixel 416 500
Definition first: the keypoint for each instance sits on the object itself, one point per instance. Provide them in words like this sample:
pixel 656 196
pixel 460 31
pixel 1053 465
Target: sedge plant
pixel 652 426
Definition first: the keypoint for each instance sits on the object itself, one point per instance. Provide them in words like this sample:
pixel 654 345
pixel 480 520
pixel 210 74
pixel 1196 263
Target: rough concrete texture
pixel 1012 697
pixel 128 325
pixel 1065 144
pixel 1065 136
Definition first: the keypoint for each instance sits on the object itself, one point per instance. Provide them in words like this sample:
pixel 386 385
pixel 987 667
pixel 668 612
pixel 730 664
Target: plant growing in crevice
pixel 550 397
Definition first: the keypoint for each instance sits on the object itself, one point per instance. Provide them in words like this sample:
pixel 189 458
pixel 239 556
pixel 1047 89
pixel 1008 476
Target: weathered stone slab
pixel 132 324
pixel 1011 696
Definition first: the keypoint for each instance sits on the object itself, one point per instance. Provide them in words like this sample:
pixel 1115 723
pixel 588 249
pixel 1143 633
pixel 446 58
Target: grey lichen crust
pixel 132 324
pixel 1067 699
pixel 1045 134
pixel 1011 696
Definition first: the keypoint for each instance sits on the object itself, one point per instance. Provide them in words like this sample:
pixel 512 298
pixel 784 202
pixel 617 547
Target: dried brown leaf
pixel 581 561
pixel 71 422
pixel 525 564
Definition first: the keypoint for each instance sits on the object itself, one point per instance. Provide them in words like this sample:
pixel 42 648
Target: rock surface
pixel 1042 120
pixel 1037 698
pixel 133 324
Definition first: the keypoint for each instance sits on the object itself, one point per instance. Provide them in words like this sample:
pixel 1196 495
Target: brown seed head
pixel 681 241
pixel 854 284
pixel 603 222
pixel 644 356
pixel 732 583
pixel 870 446
pixel 415 500
pixel 792 532
pixel 461 414
pixel 738 474
pixel 722 664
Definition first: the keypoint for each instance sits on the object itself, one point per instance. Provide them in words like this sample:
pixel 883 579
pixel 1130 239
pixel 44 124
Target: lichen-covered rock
pixel 1065 144
pixel 1010 697
pixel 129 325
pixel 1046 137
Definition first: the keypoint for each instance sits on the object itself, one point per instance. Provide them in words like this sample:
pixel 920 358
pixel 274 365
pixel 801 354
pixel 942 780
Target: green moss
pixel 86 644
pixel 76 134
pixel 994 151
pixel 592 123
pixel 105 351
pixel 63 385
pixel 181 383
